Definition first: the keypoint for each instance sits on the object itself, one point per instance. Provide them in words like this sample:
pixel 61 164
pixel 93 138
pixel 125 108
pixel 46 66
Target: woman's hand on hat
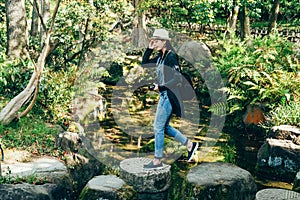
pixel 151 44
pixel 155 87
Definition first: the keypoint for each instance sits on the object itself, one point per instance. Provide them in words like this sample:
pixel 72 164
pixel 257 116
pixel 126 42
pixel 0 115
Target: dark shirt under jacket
pixel 172 77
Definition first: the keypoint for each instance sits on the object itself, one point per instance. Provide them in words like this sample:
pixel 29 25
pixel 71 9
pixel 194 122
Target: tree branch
pixel 54 16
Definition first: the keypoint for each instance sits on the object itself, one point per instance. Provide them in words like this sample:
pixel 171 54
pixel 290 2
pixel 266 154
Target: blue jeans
pixel 161 125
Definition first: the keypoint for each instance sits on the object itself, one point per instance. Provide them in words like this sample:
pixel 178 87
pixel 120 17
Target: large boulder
pixel 195 52
pixel 220 181
pixel 82 165
pixel 47 191
pixel 279 159
pixel 107 187
pixel 286 132
pixel 152 181
pixel 54 172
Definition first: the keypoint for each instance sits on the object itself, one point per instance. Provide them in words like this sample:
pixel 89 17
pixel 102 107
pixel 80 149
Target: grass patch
pixel 30 134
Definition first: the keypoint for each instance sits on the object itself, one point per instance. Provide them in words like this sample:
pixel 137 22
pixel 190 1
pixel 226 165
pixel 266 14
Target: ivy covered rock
pixel 83 166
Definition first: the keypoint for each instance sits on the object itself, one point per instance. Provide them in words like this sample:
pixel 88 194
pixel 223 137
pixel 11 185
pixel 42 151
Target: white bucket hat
pixel 161 34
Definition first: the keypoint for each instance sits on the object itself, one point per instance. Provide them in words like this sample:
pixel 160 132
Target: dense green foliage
pixel 261 73
pixel 287 113
pixel 174 14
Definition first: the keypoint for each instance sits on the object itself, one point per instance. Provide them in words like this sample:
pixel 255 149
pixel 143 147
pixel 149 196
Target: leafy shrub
pixel 80 26
pixel 287 113
pixel 262 72
pixel 14 75
pixel 56 94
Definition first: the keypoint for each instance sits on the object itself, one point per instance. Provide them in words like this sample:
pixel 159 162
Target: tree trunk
pixel 139 34
pixel 274 15
pixel 45 8
pixel 35 21
pixel 10 111
pixel 245 23
pixel 16 23
pixel 233 19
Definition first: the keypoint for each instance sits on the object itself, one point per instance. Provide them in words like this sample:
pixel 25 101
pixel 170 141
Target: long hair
pixel 169 46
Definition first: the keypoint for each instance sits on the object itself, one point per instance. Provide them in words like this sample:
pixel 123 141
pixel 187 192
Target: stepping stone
pixel 52 169
pixel 220 181
pixel 150 181
pixel 278 194
pixel 39 166
pixel 106 187
pixel 296 184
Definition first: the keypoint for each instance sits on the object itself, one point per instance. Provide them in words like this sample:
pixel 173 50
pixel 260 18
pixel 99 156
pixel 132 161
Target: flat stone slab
pixel 151 181
pixel 106 187
pixel 220 181
pixel 278 194
pixel 53 170
pixel 38 166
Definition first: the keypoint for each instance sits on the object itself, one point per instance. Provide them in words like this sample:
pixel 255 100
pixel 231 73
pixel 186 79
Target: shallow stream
pixel 126 134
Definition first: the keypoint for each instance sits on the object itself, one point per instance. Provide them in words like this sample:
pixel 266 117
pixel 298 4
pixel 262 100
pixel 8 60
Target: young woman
pixel 170 102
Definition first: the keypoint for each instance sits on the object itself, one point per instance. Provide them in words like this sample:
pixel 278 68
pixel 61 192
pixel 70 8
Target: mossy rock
pixel 107 187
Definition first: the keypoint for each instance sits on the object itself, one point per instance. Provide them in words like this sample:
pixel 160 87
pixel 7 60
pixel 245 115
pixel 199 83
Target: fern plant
pixel 260 73
pixel 287 113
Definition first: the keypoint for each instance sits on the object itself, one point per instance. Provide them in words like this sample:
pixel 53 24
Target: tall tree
pixel 16 23
pixel 245 23
pixel 139 23
pixel 42 7
pixel 233 17
pixel 11 110
pixel 274 15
